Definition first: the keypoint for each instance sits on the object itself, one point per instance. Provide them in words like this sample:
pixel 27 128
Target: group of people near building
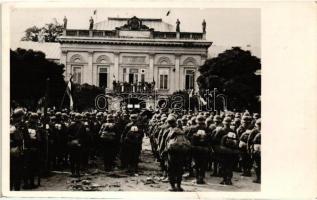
pixel 194 143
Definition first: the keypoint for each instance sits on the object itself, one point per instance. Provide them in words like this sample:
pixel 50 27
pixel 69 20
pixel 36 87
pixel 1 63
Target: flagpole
pixel 60 108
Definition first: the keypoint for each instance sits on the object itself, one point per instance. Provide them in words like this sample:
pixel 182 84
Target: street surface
pixel 149 178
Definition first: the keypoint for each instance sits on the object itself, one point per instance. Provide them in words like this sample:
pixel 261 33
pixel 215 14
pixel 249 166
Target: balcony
pixel 140 87
pixel 152 35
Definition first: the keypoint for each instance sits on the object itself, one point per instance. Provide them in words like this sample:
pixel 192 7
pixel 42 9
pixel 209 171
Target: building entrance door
pixel 133 75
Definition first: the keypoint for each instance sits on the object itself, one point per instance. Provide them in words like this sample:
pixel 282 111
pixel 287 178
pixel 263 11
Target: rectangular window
pixel 163 79
pixel 103 77
pixel 124 74
pixel 189 79
pixel 133 75
pixel 77 74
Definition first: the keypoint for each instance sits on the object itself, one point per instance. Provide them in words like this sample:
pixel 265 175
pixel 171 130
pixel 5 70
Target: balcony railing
pixel 140 87
pixel 153 35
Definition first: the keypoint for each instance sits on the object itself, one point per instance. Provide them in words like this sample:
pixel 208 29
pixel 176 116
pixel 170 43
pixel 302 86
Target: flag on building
pixel 69 93
pixel 95 12
pixel 191 93
pixel 168 12
pixel 202 100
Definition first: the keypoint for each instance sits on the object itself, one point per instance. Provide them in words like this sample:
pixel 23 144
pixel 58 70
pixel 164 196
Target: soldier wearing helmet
pixel 32 142
pixel 199 136
pixel 109 140
pixel 17 132
pixel 131 140
pixel 229 155
pixel 245 157
pixel 254 146
pixel 214 160
pixel 216 144
pixel 177 149
pixel 76 135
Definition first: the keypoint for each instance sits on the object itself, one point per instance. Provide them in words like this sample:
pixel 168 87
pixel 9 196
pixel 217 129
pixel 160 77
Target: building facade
pixel 128 52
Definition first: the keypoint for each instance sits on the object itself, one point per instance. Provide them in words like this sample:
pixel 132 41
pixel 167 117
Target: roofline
pixel 142 42
pixel 127 18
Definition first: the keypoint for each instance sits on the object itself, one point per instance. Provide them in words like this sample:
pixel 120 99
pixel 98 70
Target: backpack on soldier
pixel 107 133
pixel 178 142
pixel 231 141
pixel 133 135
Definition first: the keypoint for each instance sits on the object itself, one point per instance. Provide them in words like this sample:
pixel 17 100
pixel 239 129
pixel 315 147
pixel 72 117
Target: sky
pixel 226 27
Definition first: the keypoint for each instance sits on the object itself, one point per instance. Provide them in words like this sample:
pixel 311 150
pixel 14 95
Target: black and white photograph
pixel 135 99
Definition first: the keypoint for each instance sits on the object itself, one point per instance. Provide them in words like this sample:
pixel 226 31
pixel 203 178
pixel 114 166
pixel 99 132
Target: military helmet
pixel 231 135
pixel 171 119
pixel 78 116
pixel 18 112
pixel 209 120
pixel 99 114
pixel 134 129
pixel 258 122
pixel 33 117
pixel 200 119
pixel 256 115
pixel 133 116
pixel 237 115
pixel 227 120
pixel 217 118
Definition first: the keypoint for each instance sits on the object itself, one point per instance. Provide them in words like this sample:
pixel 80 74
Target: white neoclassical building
pixel 132 51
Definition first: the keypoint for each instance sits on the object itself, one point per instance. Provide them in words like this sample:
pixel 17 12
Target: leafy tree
pixel 233 74
pixel 182 99
pixel 28 73
pixel 50 32
pixel 84 96
pixel 31 34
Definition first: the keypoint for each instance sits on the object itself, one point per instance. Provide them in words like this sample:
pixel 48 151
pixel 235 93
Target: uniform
pixel 76 136
pixel 32 153
pixel 17 130
pixel 199 136
pixel 178 149
pixel 229 156
pixel 131 141
pixel 109 140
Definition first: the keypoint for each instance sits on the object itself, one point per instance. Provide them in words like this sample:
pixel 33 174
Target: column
pixel 177 73
pixel 64 62
pixel 89 74
pixel 151 68
pixel 116 66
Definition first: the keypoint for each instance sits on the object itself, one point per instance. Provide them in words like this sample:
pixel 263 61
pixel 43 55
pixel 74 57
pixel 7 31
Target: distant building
pixel 123 52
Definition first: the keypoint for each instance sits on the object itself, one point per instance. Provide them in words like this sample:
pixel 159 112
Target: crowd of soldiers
pixel 204 141
pixel 193 143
